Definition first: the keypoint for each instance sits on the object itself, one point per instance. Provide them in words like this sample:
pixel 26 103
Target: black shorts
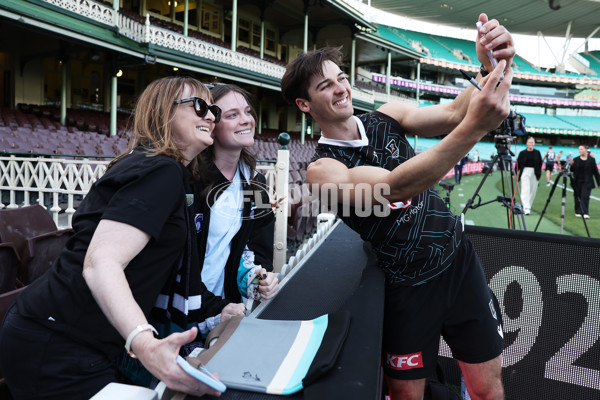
pixel 458 305
pixel 550 166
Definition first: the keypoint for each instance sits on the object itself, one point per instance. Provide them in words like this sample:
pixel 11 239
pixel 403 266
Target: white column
pixel 234 25
pixel 305 47
pixel 262 38
pixel 186 10
pixel 116 13
pixel 282 170
pixel 388 73
pixel 113 106
pixel 418 95
pixel 63 93
pixel 353 61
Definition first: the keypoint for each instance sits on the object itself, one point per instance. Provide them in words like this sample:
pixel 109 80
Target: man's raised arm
pixel 486 111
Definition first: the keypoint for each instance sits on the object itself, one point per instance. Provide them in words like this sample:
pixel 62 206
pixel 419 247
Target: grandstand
pixel 69 101
pixel 72 70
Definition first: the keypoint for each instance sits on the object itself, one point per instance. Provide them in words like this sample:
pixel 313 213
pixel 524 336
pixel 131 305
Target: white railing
pixel 38 179
pixel 131 28
pixel 185 44
pixel 147 33
pixel 87 8
pixel 58 183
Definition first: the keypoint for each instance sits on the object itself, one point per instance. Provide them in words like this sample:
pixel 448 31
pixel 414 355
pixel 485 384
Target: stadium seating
pixel 9 265
pixel 583 122
pixel 594 59
pixel 35 238
pixel 21 131
pixel 547 121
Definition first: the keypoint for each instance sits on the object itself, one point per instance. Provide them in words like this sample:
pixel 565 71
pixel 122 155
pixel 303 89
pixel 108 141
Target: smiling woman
pixel 61 338
pixel 234 220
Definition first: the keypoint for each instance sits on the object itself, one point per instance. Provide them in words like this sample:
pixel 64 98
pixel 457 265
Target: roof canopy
pixel 551 17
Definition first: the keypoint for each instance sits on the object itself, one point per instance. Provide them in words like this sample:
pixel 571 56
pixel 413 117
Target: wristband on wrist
pixel 138 329
pixel 484 72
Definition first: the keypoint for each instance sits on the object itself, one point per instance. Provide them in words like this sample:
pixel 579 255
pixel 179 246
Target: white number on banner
pixel 560 367
pixel 528 323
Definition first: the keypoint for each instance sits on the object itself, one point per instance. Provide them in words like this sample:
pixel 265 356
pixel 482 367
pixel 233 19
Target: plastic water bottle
pixel 464 394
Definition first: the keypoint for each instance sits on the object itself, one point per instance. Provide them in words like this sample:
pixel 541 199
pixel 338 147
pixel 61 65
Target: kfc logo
pixel 408 361
pixel 400 205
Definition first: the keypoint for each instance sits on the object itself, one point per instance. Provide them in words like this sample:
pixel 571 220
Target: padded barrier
pixel 339 276
pixel 548 287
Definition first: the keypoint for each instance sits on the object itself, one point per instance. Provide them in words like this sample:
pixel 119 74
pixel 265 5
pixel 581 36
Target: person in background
pixel 529 166
pixel 458 169
pixel 550 158
pixel 418 242
pixel 234 219
pixel 62 336
pixel 584 170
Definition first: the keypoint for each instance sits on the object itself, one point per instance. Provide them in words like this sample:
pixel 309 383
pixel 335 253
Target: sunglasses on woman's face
pixel 202 108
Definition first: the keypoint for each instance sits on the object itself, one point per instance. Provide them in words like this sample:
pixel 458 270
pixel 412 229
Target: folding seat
pixel 35 237
pixel 67 148
pixel 41 252
pixel 9 265
pixel 6 300
pixel 88 149
pixel 105 149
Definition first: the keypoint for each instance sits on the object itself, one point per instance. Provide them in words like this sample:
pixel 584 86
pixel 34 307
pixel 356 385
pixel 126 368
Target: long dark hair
pixel 217 92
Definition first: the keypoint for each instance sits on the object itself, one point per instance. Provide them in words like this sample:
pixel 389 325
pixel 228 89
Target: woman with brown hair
pixel 133 244
pixel 234 220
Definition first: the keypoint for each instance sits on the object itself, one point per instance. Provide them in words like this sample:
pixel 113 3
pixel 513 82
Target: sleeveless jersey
pixel 416 241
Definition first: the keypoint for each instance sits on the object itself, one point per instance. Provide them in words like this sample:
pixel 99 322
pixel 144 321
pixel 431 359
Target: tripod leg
pixel 510 183
pixel 472 199
pixel 564 203
pixel 546 205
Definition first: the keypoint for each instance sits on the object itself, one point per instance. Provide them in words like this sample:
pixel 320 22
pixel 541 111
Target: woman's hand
pixel 159 357
pixel 268 285
pixel 233 310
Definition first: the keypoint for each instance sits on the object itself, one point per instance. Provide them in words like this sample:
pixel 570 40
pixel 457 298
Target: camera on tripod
pixel 513 125
pixel 446 185
pixel 565 166
pixel 508 131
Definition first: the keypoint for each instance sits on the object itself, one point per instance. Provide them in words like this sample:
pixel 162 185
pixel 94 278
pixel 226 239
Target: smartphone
pixel 202 374
pixel 490 55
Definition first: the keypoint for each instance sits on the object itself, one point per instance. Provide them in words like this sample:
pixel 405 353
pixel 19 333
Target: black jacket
pixel 257 230
pixel 535 157
pixel 584 172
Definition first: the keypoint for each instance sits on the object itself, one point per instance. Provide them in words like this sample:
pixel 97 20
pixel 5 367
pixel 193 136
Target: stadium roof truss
pixel 545 18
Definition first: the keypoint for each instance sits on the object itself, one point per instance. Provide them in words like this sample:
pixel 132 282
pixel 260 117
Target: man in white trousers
pixel 529 166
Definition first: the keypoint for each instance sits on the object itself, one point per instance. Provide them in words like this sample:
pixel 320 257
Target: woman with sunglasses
pixel 133 244
pixel 234 220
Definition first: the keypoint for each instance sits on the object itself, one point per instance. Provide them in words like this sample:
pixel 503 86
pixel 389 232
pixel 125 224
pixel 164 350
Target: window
pixel 270 40
pixel 211 19
pixel 244 31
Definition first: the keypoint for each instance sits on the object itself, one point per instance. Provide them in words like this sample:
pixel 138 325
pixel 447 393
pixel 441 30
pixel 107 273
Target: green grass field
pixel 494 214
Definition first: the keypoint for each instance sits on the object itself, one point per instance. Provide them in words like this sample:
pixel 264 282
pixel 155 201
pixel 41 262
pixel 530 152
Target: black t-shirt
pixel 415 243
pixel 145 192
